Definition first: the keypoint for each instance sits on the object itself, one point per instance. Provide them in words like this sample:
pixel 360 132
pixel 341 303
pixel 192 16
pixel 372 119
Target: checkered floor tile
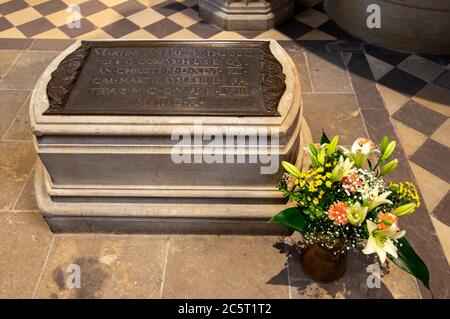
pixel 69 19
pixel 416 92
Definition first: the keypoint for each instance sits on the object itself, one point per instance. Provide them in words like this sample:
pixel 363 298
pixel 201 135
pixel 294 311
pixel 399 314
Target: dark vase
pixel 322 265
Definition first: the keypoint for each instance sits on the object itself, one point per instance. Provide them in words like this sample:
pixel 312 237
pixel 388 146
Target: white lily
pixel 342 168
pixel 374 199
pixel 380 241
pixel 360 151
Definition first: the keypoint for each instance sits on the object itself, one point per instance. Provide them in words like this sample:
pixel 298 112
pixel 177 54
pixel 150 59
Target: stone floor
pixel 349 88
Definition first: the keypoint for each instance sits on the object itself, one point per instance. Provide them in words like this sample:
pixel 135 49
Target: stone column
pixel 246 15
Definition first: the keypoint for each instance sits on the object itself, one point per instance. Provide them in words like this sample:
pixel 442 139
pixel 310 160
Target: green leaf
pixel 324 139
pixel 291 218
pixel 410 262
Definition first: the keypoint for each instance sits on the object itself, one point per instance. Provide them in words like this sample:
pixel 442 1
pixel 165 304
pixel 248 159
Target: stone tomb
pixel 166 136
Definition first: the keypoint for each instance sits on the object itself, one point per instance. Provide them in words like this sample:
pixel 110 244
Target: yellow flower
pixel 302 183
pixel 296 182
pixel 328 184
pixel 327 165
pixel 328 175
pixel 315 201
pixel 320 170
pixel 318 183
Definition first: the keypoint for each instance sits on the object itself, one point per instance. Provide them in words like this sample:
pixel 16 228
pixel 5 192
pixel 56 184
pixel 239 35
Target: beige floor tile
pixel 433 189
pixel 392 99
pixel 225 267
pixel 27 69
pixel 27 198
pixel 20 128
pixel 23 16
pixel 7 58
pixel 337 114
pixel 272 34
pixel 145 17
pixel 112 3
pixel 16 161
pixel 52 34
pixel 312 17
pixel 35 2
pixel 443 233
pixel 59 18
pixel 434 97
pixel 12 33
pixel 328 73
pixel 183 34
pixel 185 18
pixel 442 135
pixel 74 1
pixel 410 138
pixel 11 102
pixel 316 35
pixel 104 17
pixel 140 35
pixel 26 240
pixel 96 34
pixel 227 35
pixel 421 67
pixel 110 267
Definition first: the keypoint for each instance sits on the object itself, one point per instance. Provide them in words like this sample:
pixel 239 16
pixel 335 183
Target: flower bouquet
pixel 343 202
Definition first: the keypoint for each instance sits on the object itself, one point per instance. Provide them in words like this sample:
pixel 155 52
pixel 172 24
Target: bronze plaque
pixel 227 78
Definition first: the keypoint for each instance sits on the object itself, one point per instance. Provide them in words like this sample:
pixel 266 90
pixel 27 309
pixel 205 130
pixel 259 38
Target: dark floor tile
pixel 320 7
pixel 51 6
pixel 204 29
pixel 169 7
pixel 439 59
pixel 435 158
pixel 163 28
pixel 34 27
pixel 327 28
pixel 51 44
pixel 91 7
pixel 12 6
pixel 15 44
pixel 195 7
pixel 4 24
pixel 250 34
pixel 128 8
pixel 441 212
pixel 86 27
pixel 319 45
pixel 402 82
pixel 444 80
pixel 420 117
pixel 120 28
pixel 389 56
pixel 294 29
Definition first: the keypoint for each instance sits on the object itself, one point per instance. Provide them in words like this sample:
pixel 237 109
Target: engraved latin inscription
pixel 170 79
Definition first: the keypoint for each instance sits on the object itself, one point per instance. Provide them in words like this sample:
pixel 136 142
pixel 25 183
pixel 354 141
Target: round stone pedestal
pixel 408 25
pixel 246 15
